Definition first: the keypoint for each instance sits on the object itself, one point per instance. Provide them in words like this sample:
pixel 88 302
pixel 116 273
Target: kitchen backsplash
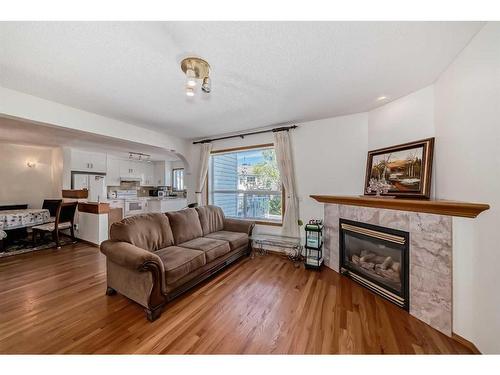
pixel 142 191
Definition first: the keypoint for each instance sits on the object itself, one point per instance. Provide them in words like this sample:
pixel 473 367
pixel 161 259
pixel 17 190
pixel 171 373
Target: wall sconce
pixel 31 164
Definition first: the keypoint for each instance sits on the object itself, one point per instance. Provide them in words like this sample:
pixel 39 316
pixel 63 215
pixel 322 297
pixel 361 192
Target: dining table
pixel 16 220
pixel 22 218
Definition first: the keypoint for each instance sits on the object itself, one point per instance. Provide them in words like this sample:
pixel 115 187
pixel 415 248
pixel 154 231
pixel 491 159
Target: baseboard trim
pixel 469 345
pixel 87 242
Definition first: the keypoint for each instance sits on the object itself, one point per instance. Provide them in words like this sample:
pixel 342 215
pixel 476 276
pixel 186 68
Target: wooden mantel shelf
pixel 440 207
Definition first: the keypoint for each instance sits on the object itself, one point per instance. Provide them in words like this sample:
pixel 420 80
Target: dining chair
pixel 52 205
pixel 65 217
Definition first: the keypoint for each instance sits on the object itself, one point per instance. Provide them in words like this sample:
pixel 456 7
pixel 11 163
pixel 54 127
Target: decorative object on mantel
pixel 439 207
pixel 379 187
pixel 314 244
pixel 405 168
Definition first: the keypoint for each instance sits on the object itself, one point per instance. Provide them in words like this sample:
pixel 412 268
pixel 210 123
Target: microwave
pixel 158 193
pixel 135 207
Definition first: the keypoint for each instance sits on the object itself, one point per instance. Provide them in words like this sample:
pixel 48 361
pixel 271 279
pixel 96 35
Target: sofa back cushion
pixel 148 231
pixel 185 225
pixel 211 219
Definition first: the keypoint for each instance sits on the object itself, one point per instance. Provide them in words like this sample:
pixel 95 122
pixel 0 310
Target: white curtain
pixel 202 172
pixel 285 165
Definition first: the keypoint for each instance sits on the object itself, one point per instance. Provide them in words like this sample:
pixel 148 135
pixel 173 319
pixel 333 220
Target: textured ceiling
pixel 263 73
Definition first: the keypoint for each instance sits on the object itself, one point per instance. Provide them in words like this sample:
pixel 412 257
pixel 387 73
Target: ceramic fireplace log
pixel 380 265
pixel 386 263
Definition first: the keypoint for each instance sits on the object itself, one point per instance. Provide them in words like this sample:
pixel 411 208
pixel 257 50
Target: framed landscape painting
pixel 406 168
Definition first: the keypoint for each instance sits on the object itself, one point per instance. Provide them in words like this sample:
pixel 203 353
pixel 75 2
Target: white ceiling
pixel 263 73
pixel 25 133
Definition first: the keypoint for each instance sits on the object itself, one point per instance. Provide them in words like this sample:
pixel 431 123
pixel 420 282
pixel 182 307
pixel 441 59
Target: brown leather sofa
pixel 153 258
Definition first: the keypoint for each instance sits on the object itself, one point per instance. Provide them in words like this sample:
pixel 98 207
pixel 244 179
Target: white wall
pixel 403 120
pixel 468 166
pixel 329 158
pixel 406 119
pixel 21 184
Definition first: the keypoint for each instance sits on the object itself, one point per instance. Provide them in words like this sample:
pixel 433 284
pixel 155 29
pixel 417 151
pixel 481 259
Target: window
pixel 178 179
pixel 246 184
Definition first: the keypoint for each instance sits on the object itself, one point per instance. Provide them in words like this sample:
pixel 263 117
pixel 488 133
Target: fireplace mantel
pixel 439 207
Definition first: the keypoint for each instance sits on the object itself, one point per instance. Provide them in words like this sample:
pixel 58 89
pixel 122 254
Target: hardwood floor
pixel 53 302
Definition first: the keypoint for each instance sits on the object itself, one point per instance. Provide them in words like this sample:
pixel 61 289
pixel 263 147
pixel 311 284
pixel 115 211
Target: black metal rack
pixel 314 245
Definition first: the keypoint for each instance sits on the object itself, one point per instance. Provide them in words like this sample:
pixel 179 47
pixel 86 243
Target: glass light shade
pixel 190 78
pixel 189 91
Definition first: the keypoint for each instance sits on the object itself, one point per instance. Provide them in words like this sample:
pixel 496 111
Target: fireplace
pixel 376 257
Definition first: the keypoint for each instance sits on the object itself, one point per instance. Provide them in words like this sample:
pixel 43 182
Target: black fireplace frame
pixel 405 261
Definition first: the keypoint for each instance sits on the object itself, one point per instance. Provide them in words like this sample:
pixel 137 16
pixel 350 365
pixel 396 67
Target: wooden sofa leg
pixel 110 291
pixel 153 314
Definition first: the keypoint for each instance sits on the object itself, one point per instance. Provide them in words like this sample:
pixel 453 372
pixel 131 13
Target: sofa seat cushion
pixel 179 261
pixel 185 225
pixel 235 239
pixel 213 248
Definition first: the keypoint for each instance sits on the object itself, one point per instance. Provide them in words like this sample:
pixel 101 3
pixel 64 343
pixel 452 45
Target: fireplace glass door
pixel 376 257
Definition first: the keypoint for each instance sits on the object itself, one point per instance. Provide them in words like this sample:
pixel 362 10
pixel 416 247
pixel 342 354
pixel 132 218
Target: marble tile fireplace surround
pixel 430 251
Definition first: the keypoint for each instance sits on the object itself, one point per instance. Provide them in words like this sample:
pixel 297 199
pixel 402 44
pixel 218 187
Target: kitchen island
pixel 166 204
pixel 92 222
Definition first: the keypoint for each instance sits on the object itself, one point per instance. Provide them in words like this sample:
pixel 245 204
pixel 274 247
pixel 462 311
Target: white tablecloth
pixel 12 219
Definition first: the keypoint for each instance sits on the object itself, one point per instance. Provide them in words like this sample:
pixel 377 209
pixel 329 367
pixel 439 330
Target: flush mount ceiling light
pixel 380 98
pixel 196 69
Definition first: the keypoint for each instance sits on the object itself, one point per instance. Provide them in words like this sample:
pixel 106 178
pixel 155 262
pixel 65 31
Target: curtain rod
pixel 283 128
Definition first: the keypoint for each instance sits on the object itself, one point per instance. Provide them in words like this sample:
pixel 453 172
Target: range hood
pixel 130 179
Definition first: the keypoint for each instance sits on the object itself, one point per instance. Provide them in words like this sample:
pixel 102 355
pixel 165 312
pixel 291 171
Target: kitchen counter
pixel 92 221
pixel 163 198
pixel 93 207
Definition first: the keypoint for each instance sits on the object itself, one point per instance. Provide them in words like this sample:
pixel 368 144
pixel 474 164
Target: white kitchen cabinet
pixel 159 173
pixel 129 168
pixel 162 173
pixel 125 168
pixel 138 170
pixel 113 172
pixel 168 173
pixel 148 176
pixel 86 161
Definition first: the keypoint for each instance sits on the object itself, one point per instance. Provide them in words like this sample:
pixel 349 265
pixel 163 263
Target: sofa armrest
pixel 237 225
pixel 128 255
